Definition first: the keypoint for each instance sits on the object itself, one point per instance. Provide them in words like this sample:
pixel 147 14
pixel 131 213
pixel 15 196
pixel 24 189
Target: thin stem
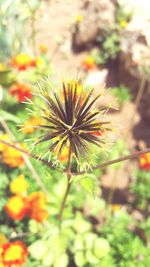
pixel 110 162
pixel 99 166
pixel 67 188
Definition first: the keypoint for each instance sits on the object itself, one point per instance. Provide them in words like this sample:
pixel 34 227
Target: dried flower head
pixel 72 120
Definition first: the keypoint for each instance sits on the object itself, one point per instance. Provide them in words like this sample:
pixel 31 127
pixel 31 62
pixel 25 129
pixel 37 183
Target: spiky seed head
pixel 72 120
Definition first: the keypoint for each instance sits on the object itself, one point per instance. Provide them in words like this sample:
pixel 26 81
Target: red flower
pixel 22 62
pixel 145 161
pixel 98 133
pixel 21 90
pixel 14 253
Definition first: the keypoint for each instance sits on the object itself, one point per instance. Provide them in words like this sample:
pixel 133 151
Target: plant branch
pixel 123 158
pixel 110 162
pixel 67 188
pixel 27 153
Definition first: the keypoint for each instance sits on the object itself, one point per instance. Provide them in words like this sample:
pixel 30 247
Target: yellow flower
pixel 79 18
pixel 16 207
pixel 12 157
pixel 19 185
pixel 39 62
pixel 123 24
pixel 33 121
pixel 88 63
pixel 43 48
pixel 2 67
pixel 115 208
pixel 3 137
pixel 14 254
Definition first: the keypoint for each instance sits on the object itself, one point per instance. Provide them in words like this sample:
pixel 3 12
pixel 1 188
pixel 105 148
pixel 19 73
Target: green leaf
pixel 79 243
pixel 62 261
pixel 89 240
pixel 88 182
pixel 101 248
pixel 48 259
pixel 80 259
pixel 38 249
pixel 80 225
pixel 91 257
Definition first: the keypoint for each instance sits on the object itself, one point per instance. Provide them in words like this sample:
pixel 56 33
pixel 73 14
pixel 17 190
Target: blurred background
pixel 107 44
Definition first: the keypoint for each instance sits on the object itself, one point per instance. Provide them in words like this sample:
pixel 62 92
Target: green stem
pixel 60 214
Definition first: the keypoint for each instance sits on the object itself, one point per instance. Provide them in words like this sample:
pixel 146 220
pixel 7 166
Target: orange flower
pixel 115 208
pixel 16 207
pixel 1 264
pixel 12 157
pixel 14 254
pixel 33 121
pixel 43 48
pixel 21 90
pixel 89 63
pixel 145 161
pixel 22 61
pixel 37 203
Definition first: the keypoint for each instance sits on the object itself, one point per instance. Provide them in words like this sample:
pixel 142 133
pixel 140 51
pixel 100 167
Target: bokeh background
pixel 106 43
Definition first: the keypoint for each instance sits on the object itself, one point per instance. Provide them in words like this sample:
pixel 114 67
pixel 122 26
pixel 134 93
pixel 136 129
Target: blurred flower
pixel 14 254
pixel 79 18
pixel 33 121
pixel 21 90
pixel 2 67
pixel 145 161
pixel 39 62
pixel 116 208
pixel 16 207
pixel 19 185
pixel 64 154
pixel 37 205
pixel 89 63
pixel 3 239
pixel 4 137
pixel 12 157
pixel 23 61
pixel 123 24
pixel 43 48
pixel 1 264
